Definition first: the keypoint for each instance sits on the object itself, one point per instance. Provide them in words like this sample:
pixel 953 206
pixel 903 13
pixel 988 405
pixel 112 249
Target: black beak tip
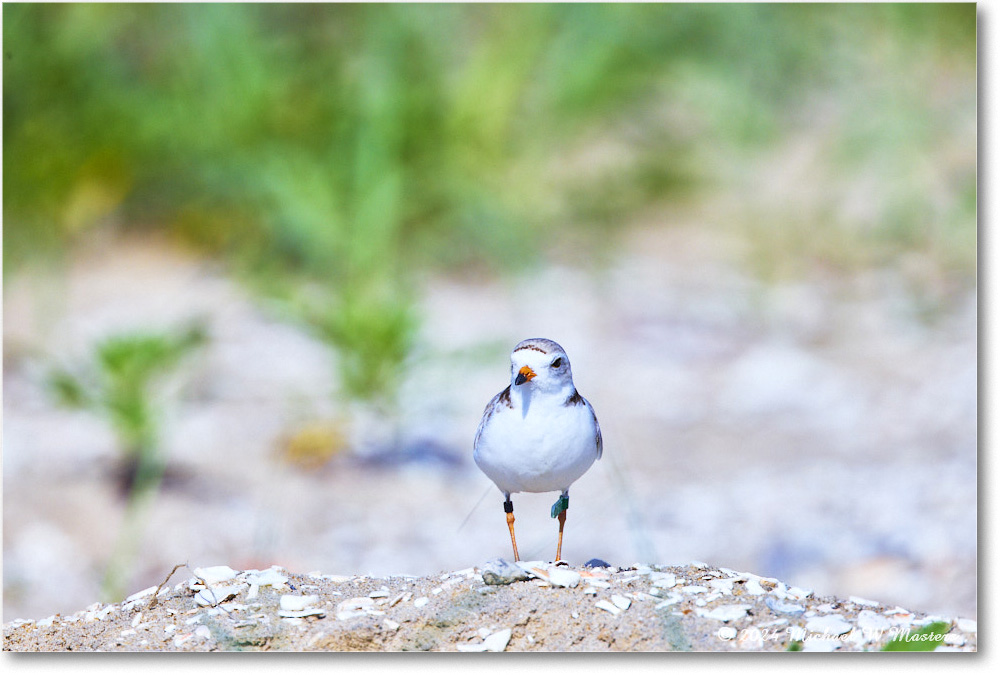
pixel 520 379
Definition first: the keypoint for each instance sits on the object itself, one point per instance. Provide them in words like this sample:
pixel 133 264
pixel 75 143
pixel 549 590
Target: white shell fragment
pixel 693 589
pixel 214 594
pixel 300 614
pixel 831 624
pixel 671 599
pixel 353 607
pixel 607 606
pixel 861 601
pixel 296 603
pixel 420 602
pixel 497 642
pixel 871 622
pixel 621 602
pixel 269 577
pixel 724 586
pixel 725 612
pixel 663 579
pixel 141 594
pixel 564 578
pixel 967 625
pixel 214 575
pixel 783 607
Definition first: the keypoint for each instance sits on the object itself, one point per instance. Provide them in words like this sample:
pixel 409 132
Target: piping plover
pixel 538 434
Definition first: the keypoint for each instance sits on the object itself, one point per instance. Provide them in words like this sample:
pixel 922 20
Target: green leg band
pixel 561 505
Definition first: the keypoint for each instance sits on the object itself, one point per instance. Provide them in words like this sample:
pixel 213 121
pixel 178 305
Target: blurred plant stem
pixel 142 493
pixel 119 385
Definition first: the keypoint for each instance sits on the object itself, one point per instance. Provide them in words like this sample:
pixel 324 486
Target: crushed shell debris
pixel 499 606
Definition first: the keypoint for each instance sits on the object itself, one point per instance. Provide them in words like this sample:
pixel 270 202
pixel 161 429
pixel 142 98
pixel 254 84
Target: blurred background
pixel 263 267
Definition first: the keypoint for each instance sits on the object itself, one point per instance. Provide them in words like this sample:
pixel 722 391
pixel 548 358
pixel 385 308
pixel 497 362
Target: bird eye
pixel 557 363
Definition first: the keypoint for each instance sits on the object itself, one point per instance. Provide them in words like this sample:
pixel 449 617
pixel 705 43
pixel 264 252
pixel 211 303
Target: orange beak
pixel 524 375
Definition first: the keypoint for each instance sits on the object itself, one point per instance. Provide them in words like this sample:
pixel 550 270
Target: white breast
pixel 545 450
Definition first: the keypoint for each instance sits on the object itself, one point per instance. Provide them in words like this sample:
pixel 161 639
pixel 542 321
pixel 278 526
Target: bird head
pixel 541 365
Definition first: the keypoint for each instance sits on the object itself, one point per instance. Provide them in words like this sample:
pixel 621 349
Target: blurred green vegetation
pixel 121 385
pixel 330 153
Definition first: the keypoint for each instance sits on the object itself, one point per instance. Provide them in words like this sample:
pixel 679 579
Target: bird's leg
pixel 508 507
pixel 559 511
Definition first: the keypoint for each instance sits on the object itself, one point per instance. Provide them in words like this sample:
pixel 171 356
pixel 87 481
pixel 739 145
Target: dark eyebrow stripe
pixel 536 348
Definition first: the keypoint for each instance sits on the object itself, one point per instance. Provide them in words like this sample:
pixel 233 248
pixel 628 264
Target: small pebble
pixel 607 606
pixel 499 572
pixel 596 562
pixel 203 632
pixel 390 624
pixel 420 602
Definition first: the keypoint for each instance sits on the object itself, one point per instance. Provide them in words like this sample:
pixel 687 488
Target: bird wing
pixel 501 399
pixel 597 427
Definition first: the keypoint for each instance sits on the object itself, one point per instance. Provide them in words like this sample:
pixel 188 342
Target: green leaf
pixel 68 390
pixel 925 639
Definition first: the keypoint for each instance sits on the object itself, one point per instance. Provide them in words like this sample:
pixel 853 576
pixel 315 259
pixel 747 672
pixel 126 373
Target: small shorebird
pixel 538 434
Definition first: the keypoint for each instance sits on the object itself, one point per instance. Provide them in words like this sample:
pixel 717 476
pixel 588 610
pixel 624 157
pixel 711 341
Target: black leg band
pixel 508 506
